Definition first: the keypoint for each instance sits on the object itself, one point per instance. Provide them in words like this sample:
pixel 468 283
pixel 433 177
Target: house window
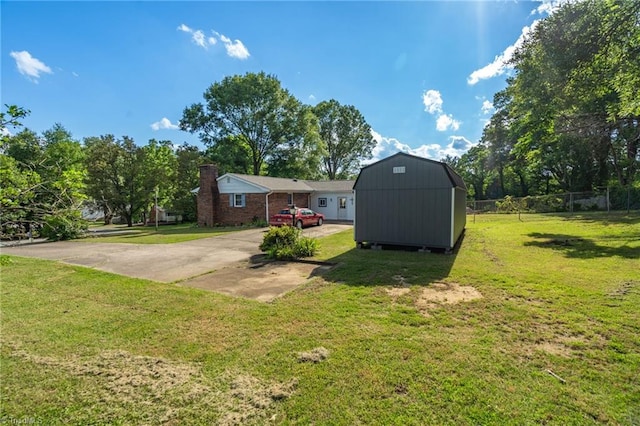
pixel 322 202
pixel 342 202
pixel 237 200
pixel 290 199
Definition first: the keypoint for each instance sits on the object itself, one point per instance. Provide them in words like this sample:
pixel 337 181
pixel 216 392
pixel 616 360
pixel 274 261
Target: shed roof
pixel 454 178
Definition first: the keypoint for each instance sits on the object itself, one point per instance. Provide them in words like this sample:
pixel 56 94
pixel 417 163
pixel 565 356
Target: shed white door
pixel 342 208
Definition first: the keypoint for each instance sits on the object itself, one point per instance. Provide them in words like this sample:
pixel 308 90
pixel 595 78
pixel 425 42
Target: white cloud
pixel 165 123
pixel 199 39
pixel 30 66
pixel 432 101
pixel 547 7
pixel 444 122
pixel 386 147
pixel 75 74
pixel 501 62
pixel 312 98
pixel 197 36
pixel 235 48
pixel 5 132
pixel 487 107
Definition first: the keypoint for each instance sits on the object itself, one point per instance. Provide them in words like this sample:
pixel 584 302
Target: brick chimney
pixel 208 195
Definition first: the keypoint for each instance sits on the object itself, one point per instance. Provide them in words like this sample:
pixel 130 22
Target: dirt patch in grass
pixel 396 292
pixel 263 282
pixel 315 355
pixel 165 391
pixel 623 289
pixel 554 348
pixel 441 293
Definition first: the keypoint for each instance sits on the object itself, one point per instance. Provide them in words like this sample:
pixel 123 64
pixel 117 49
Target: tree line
pixel 248 124
pixel 569 118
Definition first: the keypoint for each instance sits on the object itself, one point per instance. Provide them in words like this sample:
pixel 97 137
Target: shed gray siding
pixel 412 208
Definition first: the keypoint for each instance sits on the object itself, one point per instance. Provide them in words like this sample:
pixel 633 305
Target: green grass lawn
pixel 166 234
pixel 555 338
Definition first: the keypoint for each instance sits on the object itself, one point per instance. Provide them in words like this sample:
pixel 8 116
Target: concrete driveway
pixel 160 262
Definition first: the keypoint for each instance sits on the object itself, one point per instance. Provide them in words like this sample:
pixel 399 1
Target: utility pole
pixel 156 208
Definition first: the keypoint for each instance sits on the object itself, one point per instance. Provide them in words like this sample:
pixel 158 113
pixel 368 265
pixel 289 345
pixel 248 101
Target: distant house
pixel 409 201
pixel 164 216
pixel 234 199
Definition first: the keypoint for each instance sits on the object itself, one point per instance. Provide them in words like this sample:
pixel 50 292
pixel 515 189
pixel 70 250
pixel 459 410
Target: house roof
pixel 272 183
pixel 331 185
pixel 267 183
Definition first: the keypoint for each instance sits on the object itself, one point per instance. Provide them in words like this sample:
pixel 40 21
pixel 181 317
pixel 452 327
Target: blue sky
pixel 423 74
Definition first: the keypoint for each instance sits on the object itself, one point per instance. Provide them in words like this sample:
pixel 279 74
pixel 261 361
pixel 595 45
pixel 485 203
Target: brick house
pixel 235 199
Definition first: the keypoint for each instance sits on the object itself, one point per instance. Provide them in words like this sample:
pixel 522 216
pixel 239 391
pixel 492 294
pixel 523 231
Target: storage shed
pixel 406 200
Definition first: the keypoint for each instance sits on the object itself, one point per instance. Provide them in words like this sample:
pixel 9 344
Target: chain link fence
pixel 606 199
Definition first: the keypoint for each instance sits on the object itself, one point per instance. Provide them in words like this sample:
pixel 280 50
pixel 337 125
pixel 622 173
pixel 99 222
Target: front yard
pixel 532 321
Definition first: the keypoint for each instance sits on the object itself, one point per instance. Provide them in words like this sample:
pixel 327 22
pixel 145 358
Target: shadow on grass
pixel 364 267
pixel 586 248
pixel 145 231
pixel 616 217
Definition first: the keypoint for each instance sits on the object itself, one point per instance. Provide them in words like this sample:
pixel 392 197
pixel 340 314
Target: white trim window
pixel 237 200
pixel 290 199
pixel 322 202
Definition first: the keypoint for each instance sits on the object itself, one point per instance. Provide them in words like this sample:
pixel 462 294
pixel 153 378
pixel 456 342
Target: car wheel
pixel 320 222
pixel 299 224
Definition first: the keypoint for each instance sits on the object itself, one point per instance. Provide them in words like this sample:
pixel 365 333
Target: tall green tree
pixel 188 158
pixel 301 156
pixel 41 181
pixel 114 176
pixel 473 168
pixel 253 108
pixel 158 173
pixel 231 155
pixel 123 178
pixel 569 117
pixel 346 137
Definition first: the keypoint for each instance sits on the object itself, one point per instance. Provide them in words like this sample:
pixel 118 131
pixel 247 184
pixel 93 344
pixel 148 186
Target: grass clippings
pixel 251 396
pixel 315 355
pixel 168 390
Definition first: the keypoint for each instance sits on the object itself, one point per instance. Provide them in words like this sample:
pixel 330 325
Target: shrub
pixel 259 223
pixel 306 247
pixel 64 225
pixel 510 205
pixel 286 243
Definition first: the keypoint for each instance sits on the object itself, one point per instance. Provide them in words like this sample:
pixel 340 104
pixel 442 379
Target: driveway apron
pixel 159 262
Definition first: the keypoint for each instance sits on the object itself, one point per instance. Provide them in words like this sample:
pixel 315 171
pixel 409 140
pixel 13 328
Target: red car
pixel 296 217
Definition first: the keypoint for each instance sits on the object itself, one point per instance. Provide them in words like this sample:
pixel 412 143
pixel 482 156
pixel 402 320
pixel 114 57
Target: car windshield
pixel 285 211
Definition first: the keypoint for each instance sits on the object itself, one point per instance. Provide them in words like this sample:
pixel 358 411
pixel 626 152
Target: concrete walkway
pixel 160 262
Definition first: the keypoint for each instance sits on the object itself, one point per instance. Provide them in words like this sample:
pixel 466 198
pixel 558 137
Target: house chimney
pixel 208 195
